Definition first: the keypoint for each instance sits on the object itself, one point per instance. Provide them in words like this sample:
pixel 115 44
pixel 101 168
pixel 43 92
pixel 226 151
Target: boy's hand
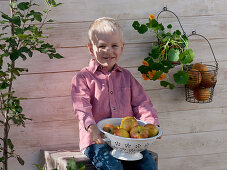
pixel 95 134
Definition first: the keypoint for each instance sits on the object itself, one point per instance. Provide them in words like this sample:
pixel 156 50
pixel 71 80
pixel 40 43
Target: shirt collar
pixel 94 66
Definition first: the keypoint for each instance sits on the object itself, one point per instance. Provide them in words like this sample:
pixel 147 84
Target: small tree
pixel 26 36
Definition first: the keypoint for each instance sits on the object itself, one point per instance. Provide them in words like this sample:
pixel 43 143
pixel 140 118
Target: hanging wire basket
pixel 200 87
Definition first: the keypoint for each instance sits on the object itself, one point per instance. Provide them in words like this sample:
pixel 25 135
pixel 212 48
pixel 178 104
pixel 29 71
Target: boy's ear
pixel 90 49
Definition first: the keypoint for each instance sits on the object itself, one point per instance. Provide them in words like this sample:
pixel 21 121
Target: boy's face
pixel 107 48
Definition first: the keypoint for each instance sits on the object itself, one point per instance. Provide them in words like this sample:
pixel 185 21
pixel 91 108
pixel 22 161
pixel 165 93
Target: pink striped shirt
pixel 97 94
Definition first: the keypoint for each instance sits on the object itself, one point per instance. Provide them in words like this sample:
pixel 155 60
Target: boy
pixel 103 90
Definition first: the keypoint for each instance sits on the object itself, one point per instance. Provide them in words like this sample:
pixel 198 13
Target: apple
pixel 153 130
pixel 139 132
pixel 110 128
pixel 122 133
pixel 194 78
pixel 201 94
pixel 201 67
pixel 208 80
pixel 128 123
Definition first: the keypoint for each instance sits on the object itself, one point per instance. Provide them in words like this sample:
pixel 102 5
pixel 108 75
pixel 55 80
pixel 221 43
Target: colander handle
pixel 194 33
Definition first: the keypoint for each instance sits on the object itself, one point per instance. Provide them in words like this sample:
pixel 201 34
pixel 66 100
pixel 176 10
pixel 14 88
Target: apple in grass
pixel 122 133
pixel 153 130
pixel 139 132
pixel 110 128
pixel 128 123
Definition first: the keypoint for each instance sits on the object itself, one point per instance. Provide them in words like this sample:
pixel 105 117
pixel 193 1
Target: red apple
pixel 208 80
pixel 122 132
pixel 139 132
pixel 201 94
pixel 153 130
pixel 194 78
pixel 128 123
pixel 110 128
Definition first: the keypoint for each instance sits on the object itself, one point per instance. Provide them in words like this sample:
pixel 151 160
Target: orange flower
pixel 163 51
pixel 151 16
pixel 162 77
pixel 145 63
pixel 151 74
pixel 145 77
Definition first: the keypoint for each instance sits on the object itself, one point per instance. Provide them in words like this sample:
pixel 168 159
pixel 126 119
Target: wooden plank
pixel 216 161
pixel 43 134
pixel 77 58
pixel 178 145
pixel 76 10
pixel 75 33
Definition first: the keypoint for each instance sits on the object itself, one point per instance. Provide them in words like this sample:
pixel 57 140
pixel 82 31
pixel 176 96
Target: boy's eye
pixel 102 46
pixel 115 45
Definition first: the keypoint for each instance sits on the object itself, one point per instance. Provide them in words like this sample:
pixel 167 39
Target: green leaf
pixel 187 56
pixel 38 16
pixel 166 83
pixel 169 26
pixel 2 159
pixel 38 166
pixel 71 164
pixel 16 20
pixel 80 166
pixel 26 50
pixel 18 30
pixel 181 77
pixel 157 75
pixel 20 160
pixel 52 2
pixel 142 29
pixel 57 4
pixel 4 85
pixel 155 52
pixel 5 16
pixel 143 69
pixel 13 4
pixel 23 6
pixel 51 20
pixel 19 109
pixel 154 23
pixel 173 54
pixel 10 144
pixel 14 55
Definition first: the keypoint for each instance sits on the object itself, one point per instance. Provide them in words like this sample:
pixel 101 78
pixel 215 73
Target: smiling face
pixel 107 48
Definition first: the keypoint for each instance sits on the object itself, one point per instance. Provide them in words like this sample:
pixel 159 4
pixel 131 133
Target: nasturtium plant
pixel 170 50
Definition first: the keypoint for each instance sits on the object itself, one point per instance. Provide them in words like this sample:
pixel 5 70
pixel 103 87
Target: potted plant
pixel 171 49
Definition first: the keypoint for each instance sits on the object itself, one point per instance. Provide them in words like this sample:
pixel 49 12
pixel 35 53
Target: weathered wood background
pixel 195 135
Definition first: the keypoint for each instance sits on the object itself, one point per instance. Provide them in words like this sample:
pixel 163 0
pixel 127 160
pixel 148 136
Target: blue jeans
pixel 102 159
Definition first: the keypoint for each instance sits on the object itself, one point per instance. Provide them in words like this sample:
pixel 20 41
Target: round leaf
pixel 173 54
pixel 181 77
pixel 187 56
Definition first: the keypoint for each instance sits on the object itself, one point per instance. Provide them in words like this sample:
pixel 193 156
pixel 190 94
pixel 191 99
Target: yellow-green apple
pixel 153 130
pixel 194 79
pixel 208 80
pixel 201 67
pixel 110 128
pixel 139 132
pixel 128 123
pixel 122 132
pixel 201 94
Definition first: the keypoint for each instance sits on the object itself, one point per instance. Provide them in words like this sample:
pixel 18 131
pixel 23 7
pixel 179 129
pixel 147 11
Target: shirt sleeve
pixel 141 104
pixel 80 93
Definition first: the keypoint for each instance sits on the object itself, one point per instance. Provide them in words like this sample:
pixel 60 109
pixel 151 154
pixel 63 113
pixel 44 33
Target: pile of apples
pixel 200 80
pixel 130 128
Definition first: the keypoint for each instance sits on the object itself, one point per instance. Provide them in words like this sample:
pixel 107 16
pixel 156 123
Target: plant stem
pixel 6 118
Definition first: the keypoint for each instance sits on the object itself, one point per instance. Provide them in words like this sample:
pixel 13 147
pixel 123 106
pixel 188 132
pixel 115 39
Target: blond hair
pixel 103 25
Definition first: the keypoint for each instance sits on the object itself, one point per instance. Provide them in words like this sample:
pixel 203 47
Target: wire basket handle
pixel 194 33
pixel 166 10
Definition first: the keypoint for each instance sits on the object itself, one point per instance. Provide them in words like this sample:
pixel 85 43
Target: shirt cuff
pixel 88 122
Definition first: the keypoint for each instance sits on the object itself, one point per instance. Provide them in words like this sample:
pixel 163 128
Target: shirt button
pixel 111 92
pixel 114 108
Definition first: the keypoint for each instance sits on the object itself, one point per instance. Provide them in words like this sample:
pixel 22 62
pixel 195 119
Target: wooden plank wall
pixel 195 135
